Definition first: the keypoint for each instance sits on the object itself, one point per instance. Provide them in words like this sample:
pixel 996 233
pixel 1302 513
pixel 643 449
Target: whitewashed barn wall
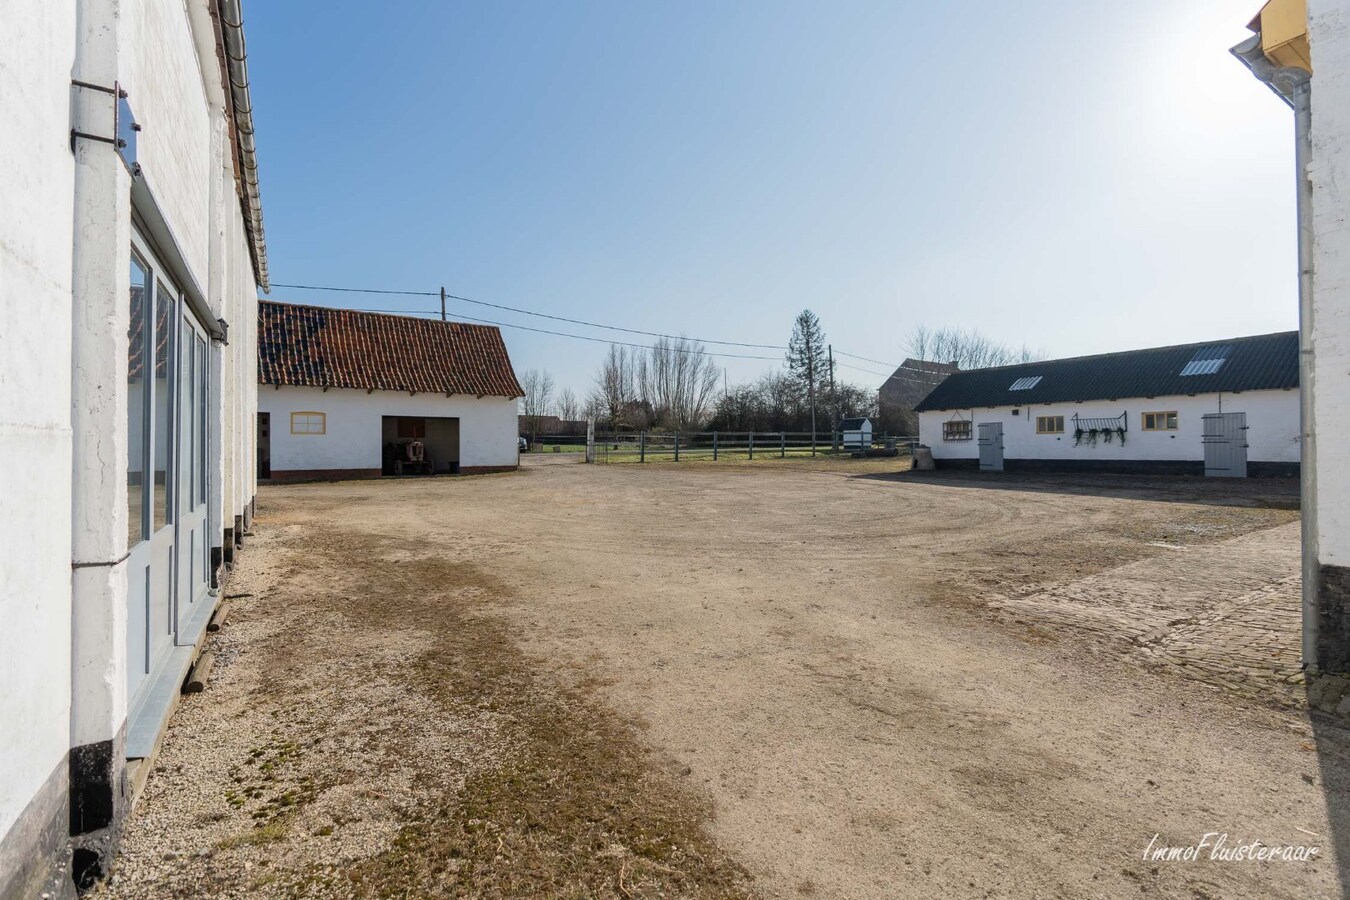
pixel 488 427
pixel 1329 33
pixel 37 46
pixel 1272 420
pixel 65 237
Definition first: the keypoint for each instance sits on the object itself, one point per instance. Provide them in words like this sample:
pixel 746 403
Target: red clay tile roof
pixel 315 346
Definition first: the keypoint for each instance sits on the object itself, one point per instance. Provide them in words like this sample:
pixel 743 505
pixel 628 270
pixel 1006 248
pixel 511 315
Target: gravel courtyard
pixel 783 679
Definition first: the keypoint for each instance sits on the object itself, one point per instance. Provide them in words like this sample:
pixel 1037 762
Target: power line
pixel 527 312
pixel 867 359
pixel 580 337
pixel 344 290
pixel 583 322
pixel 859 368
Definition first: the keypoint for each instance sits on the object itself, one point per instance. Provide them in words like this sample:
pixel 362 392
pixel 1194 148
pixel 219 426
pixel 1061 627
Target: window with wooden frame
pixel 1049 424
pixel 309 423
pixel 1160 421
pixel 957 430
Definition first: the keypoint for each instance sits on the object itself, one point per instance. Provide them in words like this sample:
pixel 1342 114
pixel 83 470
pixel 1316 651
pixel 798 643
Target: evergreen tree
pixel 806 359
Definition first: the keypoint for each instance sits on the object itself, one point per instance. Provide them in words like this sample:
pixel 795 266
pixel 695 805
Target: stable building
pixel 1221 408
pixel 855 434
pixel 131 254
pixel 347 394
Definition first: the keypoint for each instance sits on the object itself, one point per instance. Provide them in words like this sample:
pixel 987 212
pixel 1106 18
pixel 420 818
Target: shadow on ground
pixel 1269 493
pixel 1332 738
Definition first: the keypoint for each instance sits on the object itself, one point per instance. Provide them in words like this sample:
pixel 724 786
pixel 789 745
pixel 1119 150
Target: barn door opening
pixel 991 447
pixel 264 445
pixel 420 445
pixel 1225 441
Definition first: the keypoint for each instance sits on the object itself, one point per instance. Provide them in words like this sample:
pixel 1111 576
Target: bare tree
pixel 568 407
pixel 774 403
pixel 538 397
pixel 616 385
pixel 679 380
pixel 968 348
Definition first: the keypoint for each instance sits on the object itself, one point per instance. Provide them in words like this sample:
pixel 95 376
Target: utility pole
pixel 834 405
pixel 442 304
pixel 811 387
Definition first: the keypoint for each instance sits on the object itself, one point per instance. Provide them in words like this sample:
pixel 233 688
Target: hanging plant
pixel 1120 432
pixel 1093 434
pixel 1106 435
pixel 1078 434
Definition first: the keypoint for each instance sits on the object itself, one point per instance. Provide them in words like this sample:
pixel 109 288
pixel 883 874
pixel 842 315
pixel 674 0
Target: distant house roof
pixel 315 346
pixel 913 381
pixel 853 424
pixel 550 424
pixel 1262 362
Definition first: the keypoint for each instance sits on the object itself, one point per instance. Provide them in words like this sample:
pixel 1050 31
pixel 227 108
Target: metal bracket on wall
pixel 125 126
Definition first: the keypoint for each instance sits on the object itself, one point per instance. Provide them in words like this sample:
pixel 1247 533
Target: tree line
pixel 676 385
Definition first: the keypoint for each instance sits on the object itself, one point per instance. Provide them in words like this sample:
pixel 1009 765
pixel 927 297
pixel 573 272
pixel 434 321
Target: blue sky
pixel 1079 177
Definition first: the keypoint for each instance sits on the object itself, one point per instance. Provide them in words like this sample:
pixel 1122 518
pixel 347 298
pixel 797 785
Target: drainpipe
pixel 1298 84
pixel 1294 87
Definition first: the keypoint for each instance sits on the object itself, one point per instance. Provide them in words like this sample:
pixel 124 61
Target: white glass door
pixel 151 405
pixel 192 550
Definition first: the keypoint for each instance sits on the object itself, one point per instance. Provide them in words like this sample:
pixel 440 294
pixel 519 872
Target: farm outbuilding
pixel 855 434
pixel 911 381
pixel 346 394
pixel 1226 407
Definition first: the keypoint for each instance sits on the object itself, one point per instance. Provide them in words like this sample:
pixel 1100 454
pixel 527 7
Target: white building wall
pixel 65 238
pixel 159 70
pixel 1272 421
pixel 37 47
pixel 1329 171
pixel 488 435
pixel 239 368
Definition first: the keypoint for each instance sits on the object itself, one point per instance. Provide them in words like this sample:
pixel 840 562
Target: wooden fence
pixel 653 446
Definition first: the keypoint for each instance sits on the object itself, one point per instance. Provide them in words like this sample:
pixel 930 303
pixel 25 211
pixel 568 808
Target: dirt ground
pixel 780 679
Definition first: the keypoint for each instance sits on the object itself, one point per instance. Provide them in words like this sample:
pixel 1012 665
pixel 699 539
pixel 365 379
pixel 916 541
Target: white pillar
pixel 100 288
pixel 1329 171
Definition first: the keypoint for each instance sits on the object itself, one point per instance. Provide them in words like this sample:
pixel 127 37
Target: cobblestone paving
pixel 1227 614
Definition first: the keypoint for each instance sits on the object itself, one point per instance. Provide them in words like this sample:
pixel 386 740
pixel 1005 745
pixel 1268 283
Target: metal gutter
pixel 1250 54
pixel 241 109
pixel 1294 86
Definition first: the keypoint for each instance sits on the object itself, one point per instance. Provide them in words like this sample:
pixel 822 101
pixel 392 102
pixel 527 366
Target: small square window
pixel 957 430
pixel 1160 421
pixel 1049 424
pixel 309 423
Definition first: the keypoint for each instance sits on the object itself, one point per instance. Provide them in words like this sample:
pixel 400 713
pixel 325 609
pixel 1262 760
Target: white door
pixel 1225 440
pixel 991 447
pixel 153 333
pixel 192 547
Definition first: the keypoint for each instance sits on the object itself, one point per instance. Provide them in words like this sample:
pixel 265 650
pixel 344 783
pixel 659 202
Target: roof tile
pixel 316 346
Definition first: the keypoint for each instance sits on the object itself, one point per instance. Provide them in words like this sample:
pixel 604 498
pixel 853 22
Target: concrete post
pixel 217 289
pixel 100 291
pixel 1325 192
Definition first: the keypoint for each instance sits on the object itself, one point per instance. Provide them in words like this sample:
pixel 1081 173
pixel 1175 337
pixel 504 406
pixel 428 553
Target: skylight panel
pixel 1025 384
pixel 1207 360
